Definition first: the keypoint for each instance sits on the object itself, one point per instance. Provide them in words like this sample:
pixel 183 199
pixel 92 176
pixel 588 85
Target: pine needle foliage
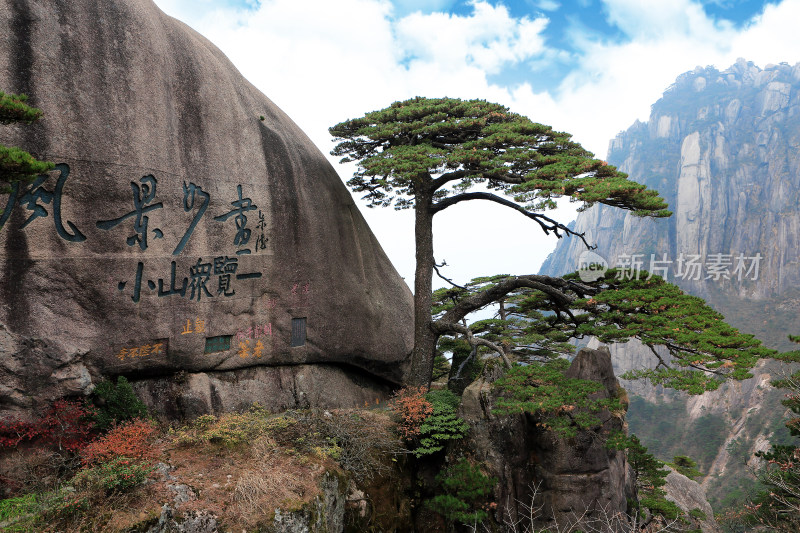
pixel 564 404
pixel 441 367
pixel 408 142
pixel 13 109
pixel 442 425
pixel 539 316
pixel 116 403
pixel 427 153
pixel 686 466
pixel 16 164
pixel 703 349
pixel 651 476
pixel 777 508
pixel 463 490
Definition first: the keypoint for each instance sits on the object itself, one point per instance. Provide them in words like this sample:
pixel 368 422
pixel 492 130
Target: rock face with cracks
pixel 189 228
pixel 566 479
pixel 690 496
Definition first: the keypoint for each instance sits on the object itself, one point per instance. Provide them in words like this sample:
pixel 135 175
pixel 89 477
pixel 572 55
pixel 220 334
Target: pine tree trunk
pixel 424 336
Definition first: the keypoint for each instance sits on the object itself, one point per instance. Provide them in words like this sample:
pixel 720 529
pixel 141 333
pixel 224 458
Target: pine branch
pixel 555 288
pixel 546 223
pixel 448 280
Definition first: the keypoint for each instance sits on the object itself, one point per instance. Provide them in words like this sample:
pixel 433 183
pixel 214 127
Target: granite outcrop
pixel 189 228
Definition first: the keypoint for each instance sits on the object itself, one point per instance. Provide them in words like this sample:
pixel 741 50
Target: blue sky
pixel 568 22
pixel 545 48
pixel 589 67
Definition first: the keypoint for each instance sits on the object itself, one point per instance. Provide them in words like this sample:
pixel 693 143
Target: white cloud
pixel 488 39
pixel 324 62
pixel 616 83
pixel 548 5
pixel 322 67
pixel 648 21
pixel 772 37
pixel 425 6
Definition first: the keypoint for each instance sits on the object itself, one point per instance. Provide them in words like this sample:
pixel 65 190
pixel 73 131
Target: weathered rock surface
pixel 750 409
pixel 190 226
pixel 324 515
pixel 192 522
pixel 690 496
pixel 285 387
pixel 570 476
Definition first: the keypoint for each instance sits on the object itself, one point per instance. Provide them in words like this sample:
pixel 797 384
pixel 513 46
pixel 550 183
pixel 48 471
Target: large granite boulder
pixel 189 226
pixel 690 496
pixel 545 480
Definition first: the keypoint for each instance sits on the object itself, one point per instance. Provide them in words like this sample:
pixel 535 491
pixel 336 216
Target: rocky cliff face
pixel 189 228
pixel 691 498
pixel 722 148
pixel 545 480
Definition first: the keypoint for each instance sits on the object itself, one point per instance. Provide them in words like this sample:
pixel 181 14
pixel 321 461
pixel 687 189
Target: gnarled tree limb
pixel 546 223
pixel 555 288
pixel 475 341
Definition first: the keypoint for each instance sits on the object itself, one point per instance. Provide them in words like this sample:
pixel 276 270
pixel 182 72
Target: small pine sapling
pixel 116 403
pixel 463 491
pixel 15 164
pixel 442 425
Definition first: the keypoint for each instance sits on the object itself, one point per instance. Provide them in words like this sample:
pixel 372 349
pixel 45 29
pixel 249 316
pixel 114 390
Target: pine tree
pixel 530 333
pixel 15 164
pixel 426 153
pixel 542 313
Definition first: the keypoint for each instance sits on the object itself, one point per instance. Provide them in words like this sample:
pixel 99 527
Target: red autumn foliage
pixel 132 440
pixel 66 424
pixel 413 408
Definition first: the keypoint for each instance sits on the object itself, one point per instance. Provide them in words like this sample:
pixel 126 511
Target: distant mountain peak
pixel 723 148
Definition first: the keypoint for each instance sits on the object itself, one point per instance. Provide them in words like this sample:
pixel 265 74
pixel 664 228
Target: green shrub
pixel 686 466
pixel 19 514
pixel 32 511
pixel 116 403
pixel 442 425
pixel 120 474
pixel 463 493
pixel 331 449
pixel 444 396
pixel 657 504
pixel 650 476
pixel 63 504
pixel 697 514
pixel 232 429
pixel 441 367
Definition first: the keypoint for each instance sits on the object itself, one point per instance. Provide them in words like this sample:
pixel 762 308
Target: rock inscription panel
pixel 188 224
